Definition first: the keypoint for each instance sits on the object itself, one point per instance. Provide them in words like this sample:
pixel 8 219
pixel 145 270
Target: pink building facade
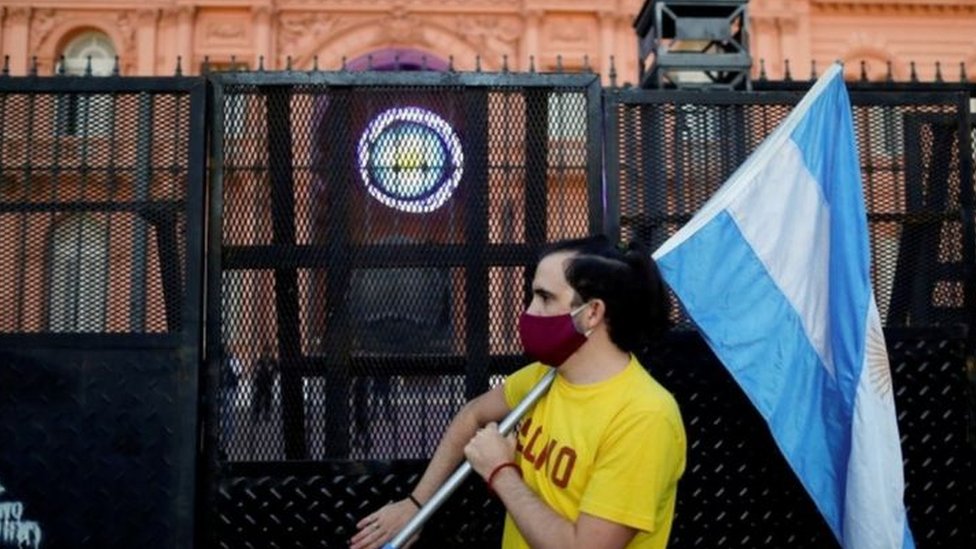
pixel 150 36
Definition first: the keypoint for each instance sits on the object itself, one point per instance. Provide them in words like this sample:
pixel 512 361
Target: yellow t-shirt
pixel 613 449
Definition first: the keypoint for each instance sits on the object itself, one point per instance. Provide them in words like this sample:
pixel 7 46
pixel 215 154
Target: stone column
pixel 261 17
pixel 3 21
pixel 15 39
pixel 789 49
pixel 608 20
pixel 529 44
pixel 185 15
pixel 626 60
pixel 148 20
pixel 797 41
pixel 765 47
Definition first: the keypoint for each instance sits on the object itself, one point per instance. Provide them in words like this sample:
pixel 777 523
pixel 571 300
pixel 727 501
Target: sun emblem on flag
pixel 876 355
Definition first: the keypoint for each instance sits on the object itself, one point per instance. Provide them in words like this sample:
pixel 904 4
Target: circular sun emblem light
pixel 410 159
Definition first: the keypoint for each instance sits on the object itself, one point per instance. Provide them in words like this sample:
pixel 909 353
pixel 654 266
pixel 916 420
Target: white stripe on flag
pixel 794 253
pixel 874 480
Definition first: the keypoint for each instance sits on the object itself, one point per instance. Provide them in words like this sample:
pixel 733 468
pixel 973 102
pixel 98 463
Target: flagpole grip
pixel 459 475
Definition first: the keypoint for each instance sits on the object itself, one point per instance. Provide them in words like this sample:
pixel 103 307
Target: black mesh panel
pixel 92 228
pixel 376 241
pixel 101 224
pixel 670 156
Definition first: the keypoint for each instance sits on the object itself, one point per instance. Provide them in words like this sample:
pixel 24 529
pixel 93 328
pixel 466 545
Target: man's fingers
pixel 371 536
pixel 369 530
pixel 367 521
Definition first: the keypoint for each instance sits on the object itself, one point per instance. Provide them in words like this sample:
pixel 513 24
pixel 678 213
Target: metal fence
pixel 665 153
pixel 101 256
pixel 370 238
pixel 916 162
pixel 364 293
pixel 916 165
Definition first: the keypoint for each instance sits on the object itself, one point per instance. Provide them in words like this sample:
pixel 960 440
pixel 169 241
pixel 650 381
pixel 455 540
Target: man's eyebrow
pixel 542 292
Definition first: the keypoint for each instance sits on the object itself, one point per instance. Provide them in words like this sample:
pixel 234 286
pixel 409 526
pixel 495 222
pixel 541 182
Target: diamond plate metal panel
pixel 92 445
pixel 737 491
pixel 318 506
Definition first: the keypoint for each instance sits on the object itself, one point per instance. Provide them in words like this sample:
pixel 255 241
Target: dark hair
pixel 626 279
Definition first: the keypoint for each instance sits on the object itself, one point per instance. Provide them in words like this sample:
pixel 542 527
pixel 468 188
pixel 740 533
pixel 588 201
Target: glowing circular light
pixel 410 159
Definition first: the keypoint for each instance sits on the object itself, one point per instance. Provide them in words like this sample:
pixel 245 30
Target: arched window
pixel 78 275
pixel 90 44
pixel 86 114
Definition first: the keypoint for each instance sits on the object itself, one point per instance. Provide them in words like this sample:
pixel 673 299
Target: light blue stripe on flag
pixel 774 270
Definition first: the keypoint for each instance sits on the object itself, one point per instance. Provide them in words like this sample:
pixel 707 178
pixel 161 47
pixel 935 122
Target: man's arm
pixel 380 527
pixel 540 526
pixel 490 406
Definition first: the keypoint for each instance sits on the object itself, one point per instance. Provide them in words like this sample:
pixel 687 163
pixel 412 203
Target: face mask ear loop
pixel 573 314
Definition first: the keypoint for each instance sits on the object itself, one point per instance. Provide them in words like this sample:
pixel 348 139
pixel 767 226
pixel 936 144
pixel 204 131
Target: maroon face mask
pixel 551 339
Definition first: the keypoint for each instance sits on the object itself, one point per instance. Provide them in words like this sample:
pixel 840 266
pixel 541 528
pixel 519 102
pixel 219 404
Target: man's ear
pixel 595 312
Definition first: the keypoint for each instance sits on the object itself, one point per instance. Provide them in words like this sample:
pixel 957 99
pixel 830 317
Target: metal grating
pixel 670 151
pixel 92 210
pixel 329 322
pixel 374 241
pixel 101 225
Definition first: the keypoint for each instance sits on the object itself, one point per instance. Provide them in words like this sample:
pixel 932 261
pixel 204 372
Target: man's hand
pixel 489 449
pixel 378 528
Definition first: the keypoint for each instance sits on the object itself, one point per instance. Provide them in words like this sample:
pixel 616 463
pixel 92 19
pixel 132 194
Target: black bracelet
pixel 414 500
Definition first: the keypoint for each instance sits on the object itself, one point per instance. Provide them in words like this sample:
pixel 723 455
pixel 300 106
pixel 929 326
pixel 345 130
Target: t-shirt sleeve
pixel 636 471
pixel 521 382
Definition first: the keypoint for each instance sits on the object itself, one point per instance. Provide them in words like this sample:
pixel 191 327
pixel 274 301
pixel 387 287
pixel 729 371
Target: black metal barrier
pixel 370 238
pixel 101 262
pixel 916 162
pixel 389 284
pixel 737 490
pixel 665 153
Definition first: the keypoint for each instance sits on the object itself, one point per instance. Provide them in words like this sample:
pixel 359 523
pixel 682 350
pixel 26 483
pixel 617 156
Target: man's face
pixel 551 294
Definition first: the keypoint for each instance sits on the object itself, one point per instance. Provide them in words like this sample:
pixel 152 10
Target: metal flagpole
pixel 455 479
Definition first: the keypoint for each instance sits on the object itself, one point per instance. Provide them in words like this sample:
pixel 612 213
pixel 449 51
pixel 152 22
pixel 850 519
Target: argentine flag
pixel 774 271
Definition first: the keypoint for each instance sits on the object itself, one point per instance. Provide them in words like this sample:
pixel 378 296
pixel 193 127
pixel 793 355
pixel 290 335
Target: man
pixel 597 460
pixel 265 370
pixel 230 371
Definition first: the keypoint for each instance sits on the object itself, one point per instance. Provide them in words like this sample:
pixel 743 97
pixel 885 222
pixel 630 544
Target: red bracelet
pixel 495 471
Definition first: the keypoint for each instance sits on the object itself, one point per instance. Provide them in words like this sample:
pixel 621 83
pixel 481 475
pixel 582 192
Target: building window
pixel 86 113
pixel 567 116
pixel 78 275
pixel 94 45
pixel 236 98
